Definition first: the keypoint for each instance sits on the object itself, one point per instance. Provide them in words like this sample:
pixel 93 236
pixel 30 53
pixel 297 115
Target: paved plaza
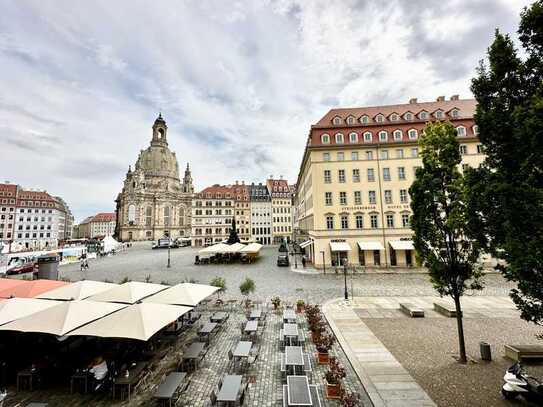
pixel 140 262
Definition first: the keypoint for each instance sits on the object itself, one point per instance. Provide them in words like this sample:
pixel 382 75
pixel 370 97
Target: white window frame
pixel 475 130
pixel 422 114
pixel 325 156
pixel 413 134
pixel 381 133
pixel 368 137
pixel 364 119
pixel 460 130
pixel 398 135
pixel 353 137
pixel 325 139
pixel 408 116
pixel 340 138
pixel 380 118
pixel 351 120
pixel 336 120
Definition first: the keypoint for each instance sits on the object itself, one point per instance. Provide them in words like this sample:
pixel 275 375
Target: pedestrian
pixel 303 261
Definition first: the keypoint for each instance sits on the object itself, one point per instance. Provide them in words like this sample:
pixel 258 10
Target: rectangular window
pixel 403 195
pixel 359 222
pixel 329 222
pixel 356 175
pixel 344 222
pixel 328 198
pixel 327 176
pixel 479 149
pixel 371 197
pixel 384 154
pixel 388 196
pixel 390 220
pixel 414 152
pixel 374 222
pixel 386 174
pixel 369 155
pixel 326 156
pixel 463 149
pixel 401 172
pixel 465 167
pixel 341 176
pixel 357 198
pixel 340 156
pixel 399 153
pixel 405 220
pixel 343 198
pixel 354 155
pixel 371 175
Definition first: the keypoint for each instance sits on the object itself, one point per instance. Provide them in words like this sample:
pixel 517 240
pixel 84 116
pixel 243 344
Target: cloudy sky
pixel 238 82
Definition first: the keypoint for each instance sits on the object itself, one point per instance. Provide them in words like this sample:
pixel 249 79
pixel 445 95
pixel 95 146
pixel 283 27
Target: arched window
pixel 336 120
pixel 423 115
pixel 475 130
pixel 393 117
pixel 454 113
pixel 368 137
pixel 397 135
pixel 364 119
pixel 413 134
pixel 132 213
pixel 379 118
pixel 383 135
pixel 350 120
pixel 148 216
pixel 339 138
pixel 438 114
pixel 325 139
pixel 461 131
pixel 353 138
pixel 408 116
pixel 166 216
pixel 181 216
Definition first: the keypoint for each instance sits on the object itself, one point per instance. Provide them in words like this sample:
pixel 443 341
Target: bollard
pixel 485 351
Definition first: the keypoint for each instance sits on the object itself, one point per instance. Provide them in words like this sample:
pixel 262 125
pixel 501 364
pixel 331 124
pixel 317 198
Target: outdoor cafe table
pixel 298 390
pixel 169 386
pixel 194 351
pixel 290 331
pixel 207 329
pixel 134 374
pixel 289 315
pixel 218 316
pixel 243 349
pixel 255 314
pixel 294 357
pixel 251 326
pixel 231 386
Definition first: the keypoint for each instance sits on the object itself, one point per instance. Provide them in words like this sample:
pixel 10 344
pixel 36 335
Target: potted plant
pixel 246 288
pixel 334 376
pixel 350 399
pixel 300 304
pixel 276 301
pixel 323 343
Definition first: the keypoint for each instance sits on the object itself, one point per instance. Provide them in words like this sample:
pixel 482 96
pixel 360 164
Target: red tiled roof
pixel 278 187
pixel 104 217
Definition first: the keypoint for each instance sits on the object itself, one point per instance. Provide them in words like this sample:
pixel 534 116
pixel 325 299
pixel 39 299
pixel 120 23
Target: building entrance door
pixel 362 257
pixel 392 257
pixel 376 257
pixel 408 258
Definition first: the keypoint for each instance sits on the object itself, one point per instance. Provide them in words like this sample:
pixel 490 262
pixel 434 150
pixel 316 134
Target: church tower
pixel 187 181
pixel 160 131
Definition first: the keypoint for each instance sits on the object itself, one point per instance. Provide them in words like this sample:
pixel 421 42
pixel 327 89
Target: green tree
pixel 246 288
pixel 219 282
pixel 440 220
pixel 507 189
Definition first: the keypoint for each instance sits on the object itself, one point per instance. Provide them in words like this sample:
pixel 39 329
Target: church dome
pixel 158 161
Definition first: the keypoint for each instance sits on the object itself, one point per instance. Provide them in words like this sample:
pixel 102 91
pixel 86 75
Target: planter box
pixel 323 358
pixel 333 391
pixel 300 308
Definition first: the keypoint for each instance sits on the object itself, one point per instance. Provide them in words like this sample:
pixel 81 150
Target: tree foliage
pixel 218 282
pixel 506 196
pixel 247 287
pixel 440 219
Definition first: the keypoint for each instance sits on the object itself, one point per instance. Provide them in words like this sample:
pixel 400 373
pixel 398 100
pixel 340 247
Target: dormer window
pixel 423 115
pixel 325 139
pixel 339 138
pixel 394 117
pixel 353 138
pixel 336 120
pixel 379 118
pixel 438 114
pixel 383 136
pixel 398 135
pixel 455 113
pixel 461 131
pixel 475 130
pixel 351 120
pixel 364 119
pixel 413 134
pixel 368 137
pixel 408 116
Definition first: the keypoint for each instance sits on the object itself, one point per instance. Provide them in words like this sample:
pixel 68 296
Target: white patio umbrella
pixel 182 294
pixel 139 321
pixel 16 308
pixel 251 248
pixel 63 317
pixel 216 248
pixel 77 291
pixel 235 248
pixel 128 293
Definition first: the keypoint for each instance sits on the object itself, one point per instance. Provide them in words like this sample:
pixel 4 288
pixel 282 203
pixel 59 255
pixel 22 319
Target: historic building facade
pixel 281 200
pixel 261 214
pixel 352 200
pixel 154 201
pixel 212 215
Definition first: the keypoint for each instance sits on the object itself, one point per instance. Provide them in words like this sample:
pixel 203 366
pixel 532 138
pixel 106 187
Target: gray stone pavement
pixel 140 262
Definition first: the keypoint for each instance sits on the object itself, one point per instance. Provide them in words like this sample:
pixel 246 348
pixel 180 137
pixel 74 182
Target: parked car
pixel 183 241
pixel 164 243
pixel 282 260
pixel 20 265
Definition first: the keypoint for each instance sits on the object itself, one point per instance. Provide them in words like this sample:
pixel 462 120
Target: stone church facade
pixel 154 201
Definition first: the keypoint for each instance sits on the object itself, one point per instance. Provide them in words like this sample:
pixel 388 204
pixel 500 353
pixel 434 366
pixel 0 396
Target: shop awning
pixel 374 245
pixel 77 291
pixel 340 246
pixel 402 244
pixel 63 317
pixel 306 243
pixel 188 294
pixel 16 308
pixel 128 293
pixel 139 321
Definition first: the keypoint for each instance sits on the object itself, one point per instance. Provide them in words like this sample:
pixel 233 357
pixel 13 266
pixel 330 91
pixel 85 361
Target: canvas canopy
pixel 216 248
pixel 30 289
pixel 234 248
pixel 340 246
pixel 402 244
pixel 374 245
pixel 183 294
pixel 252 248
pixel 77 291
pixel 129 292
pixel 139 321
pixel 16 308
pixel 110 244
pixel 63 317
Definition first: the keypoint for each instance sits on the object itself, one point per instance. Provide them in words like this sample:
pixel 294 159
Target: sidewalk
pixel 387 383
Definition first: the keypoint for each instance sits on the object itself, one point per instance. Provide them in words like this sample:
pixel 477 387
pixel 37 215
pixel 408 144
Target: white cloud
pixel 239 83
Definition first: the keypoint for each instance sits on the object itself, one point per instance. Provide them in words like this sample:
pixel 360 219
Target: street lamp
pixel 295 257
pixel 323 262
pixel 169 245
pixel 345 275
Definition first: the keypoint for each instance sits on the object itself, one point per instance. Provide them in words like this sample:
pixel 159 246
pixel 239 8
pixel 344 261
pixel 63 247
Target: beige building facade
pixel 352 200
pixel 281 203
pixel 212 215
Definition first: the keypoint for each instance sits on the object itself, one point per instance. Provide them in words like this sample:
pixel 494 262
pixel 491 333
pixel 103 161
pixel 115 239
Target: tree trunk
pixel 461 343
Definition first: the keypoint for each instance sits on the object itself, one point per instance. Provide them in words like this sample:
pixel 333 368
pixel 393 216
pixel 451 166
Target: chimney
pixel 440 99
pixel 455 97
pixel 242 182
pixel 412 101
pixel 237 182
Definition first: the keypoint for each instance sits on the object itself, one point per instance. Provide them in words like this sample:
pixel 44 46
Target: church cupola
pixel 160 131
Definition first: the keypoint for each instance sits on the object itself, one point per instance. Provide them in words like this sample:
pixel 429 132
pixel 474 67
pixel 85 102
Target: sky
pixel 239 83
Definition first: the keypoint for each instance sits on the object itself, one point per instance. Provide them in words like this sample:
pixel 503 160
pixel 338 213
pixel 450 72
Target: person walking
pixel 303 261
